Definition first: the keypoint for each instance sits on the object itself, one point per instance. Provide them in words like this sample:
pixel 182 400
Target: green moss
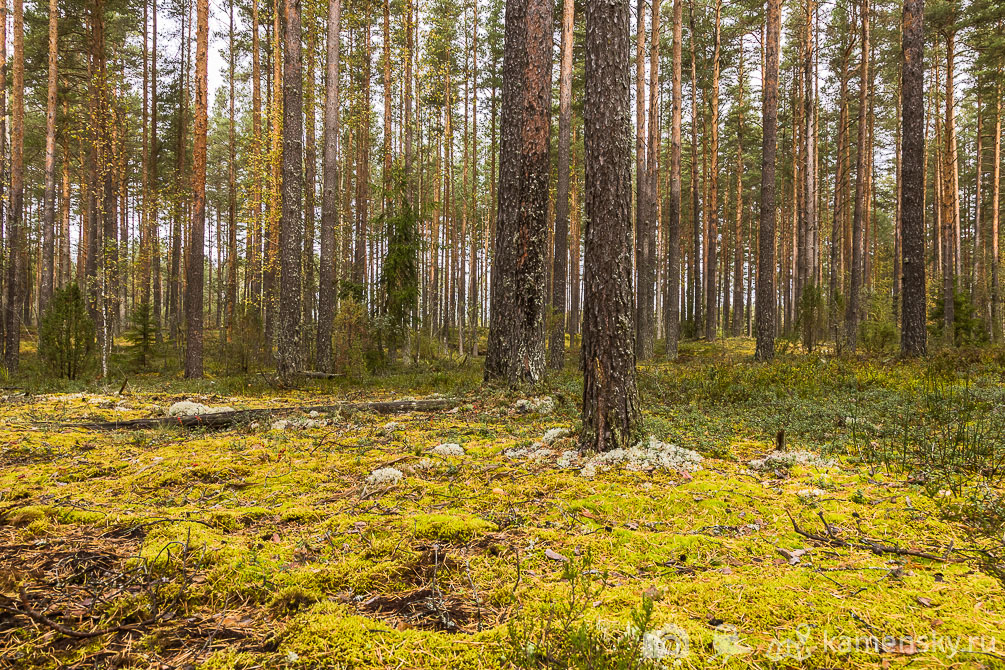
pixel 455 528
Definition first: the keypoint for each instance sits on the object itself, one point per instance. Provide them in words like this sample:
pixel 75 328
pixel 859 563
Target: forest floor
pixel 269 544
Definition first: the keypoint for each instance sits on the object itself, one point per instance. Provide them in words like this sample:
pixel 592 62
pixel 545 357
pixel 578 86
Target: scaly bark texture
pixel 610 398
pixel 913 334
pixel 766 232
pixel 291 224
pixel 556 347
pixel 516 327
pixel 194 269
pixel 327 272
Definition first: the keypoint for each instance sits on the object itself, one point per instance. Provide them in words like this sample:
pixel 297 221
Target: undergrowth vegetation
pixel 847 513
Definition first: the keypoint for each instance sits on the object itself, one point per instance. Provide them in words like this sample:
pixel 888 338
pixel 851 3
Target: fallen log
pixel 227 419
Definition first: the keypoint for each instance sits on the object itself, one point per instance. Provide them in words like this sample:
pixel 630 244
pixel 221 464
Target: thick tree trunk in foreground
pixel 766 232
pixel 290 229
pixel 194 269
pixel 516 328
pixel 913 334
pixel 556 347
pixel 610 398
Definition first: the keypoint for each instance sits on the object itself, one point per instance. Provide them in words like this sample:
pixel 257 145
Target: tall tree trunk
pixel 766 232
pixel 996 321
pixel 738 229
pixel 516 328
pixel 671 312
pixel 809 173
pixel 327 273
pixel 290 229
pixel 852 315
pixel 49 208
pixel 15 235
pixel 610 398
pixel 254 250
pixel 155 248
pixel 310 183
pixel 644 235
pixel 231 299
pixel 556 348
pixel 698 297
pixel 711 309
pixel 652 183
pixel 913 334
pixel 951 189
pixel 194 267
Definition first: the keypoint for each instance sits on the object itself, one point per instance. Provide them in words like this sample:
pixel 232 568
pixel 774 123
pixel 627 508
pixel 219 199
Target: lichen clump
pixel 384 477
pixel 448 449
pixel 189 408
pixel 646 457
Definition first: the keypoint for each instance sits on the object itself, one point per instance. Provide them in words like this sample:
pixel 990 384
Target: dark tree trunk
pixel 766 232
pixel 516 327
pixel 290 229
pixel 194 268
pixel 913 335
pixel 610 398
pixel 329 192
pixel 556 348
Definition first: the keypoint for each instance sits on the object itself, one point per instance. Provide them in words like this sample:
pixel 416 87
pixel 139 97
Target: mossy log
pixel 227 419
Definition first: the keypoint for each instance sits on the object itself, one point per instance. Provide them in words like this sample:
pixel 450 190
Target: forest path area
pixel 450 539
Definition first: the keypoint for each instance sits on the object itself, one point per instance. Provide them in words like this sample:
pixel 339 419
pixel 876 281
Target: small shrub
pixel 562 637
pixel 246 348
pixel 141 335
pixel 351 339
pixel 66 334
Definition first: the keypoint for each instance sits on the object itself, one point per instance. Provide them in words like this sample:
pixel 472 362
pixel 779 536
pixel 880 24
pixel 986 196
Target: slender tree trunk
pixel 15 235
pixel 852 315
pixel 645 235
pixel 809 173
pixel 652 184
pixel 696 256
pixel 766 232
pixel 712 304
pixel 516 329
pixel 672 310
pixel 996 321
pixel 913 335
pixel 556 352
pixel 154 213
pixel 231 300
pixel 290 232
pixel 327 274
pixel 951 189
pixel 310 184
pixel 194 267
pixel 738 229
pixel 49 208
